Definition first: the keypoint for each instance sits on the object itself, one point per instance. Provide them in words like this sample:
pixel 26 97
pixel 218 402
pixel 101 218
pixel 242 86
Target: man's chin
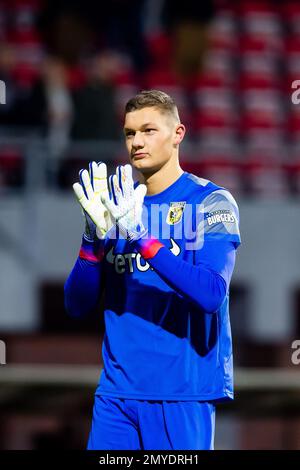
pixel 142 165
pixel 146 166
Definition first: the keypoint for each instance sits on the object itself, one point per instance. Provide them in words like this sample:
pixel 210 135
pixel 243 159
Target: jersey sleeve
pixel 206 282
pixel 84 284
pixel 220 218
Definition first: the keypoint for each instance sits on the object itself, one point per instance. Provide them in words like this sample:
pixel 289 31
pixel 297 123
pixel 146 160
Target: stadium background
pixel 69 68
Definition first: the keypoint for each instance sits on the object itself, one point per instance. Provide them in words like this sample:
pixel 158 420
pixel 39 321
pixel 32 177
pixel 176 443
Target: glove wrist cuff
pixel 91 250
pixel 148 246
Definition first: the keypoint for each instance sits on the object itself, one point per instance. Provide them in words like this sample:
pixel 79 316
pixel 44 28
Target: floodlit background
pixel 68 69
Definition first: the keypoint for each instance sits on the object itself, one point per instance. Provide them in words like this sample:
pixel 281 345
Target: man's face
pixel 150 138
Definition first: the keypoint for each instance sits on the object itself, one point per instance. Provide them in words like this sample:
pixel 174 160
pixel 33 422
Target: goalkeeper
pixel 163 249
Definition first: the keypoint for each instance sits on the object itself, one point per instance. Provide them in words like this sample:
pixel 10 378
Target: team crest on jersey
pixel 175 212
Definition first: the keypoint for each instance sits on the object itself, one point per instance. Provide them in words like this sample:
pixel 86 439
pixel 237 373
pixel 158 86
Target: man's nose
pixel 138 140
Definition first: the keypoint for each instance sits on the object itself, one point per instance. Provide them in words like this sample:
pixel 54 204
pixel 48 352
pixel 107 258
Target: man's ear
pixel 179 134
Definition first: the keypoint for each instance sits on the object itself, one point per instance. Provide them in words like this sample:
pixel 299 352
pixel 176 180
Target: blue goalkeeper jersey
pixel 167 327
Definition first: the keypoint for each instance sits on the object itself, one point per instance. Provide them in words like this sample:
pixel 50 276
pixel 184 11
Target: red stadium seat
pixel 222 31
pixel 160 49
pixel 260 18
pixel 291 15
pixel 265 177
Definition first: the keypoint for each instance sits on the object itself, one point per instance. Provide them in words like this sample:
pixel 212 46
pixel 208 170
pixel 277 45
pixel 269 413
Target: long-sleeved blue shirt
pixel 167 327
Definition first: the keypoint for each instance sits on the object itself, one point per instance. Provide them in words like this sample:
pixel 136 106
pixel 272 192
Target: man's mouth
pixel 139 155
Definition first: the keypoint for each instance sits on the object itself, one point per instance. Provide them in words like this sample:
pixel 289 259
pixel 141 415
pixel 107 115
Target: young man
pixel 164 251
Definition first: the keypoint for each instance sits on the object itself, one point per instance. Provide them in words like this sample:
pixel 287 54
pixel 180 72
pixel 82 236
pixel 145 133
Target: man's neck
pixel 161 179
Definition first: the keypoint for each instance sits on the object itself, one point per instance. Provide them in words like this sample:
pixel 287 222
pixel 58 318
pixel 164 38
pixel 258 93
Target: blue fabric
pixel 201 283
pixel 122 424
pixel 83 287
pixel 167 328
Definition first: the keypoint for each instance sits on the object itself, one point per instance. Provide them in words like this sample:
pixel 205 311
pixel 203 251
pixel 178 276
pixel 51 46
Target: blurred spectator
pixel 187 21
pixel 70 27
pixel 11 114
pixel 94 103
pixel 50 105
pixel 65 28
pixel 123 23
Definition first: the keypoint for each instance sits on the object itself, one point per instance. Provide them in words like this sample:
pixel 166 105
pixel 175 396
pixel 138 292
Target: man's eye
pixel 149 130
pixel 129 134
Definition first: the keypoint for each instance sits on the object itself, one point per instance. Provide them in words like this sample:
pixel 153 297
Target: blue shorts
pixel 127 424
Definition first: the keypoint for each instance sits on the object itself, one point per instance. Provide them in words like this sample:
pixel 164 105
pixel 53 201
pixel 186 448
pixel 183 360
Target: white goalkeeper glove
pixel 93 185
pixel 126 203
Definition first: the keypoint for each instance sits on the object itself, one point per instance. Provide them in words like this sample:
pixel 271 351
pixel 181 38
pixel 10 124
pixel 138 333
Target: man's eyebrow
pixel 126 129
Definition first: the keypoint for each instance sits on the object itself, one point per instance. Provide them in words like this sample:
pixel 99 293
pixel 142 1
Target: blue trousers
pixel 127 424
